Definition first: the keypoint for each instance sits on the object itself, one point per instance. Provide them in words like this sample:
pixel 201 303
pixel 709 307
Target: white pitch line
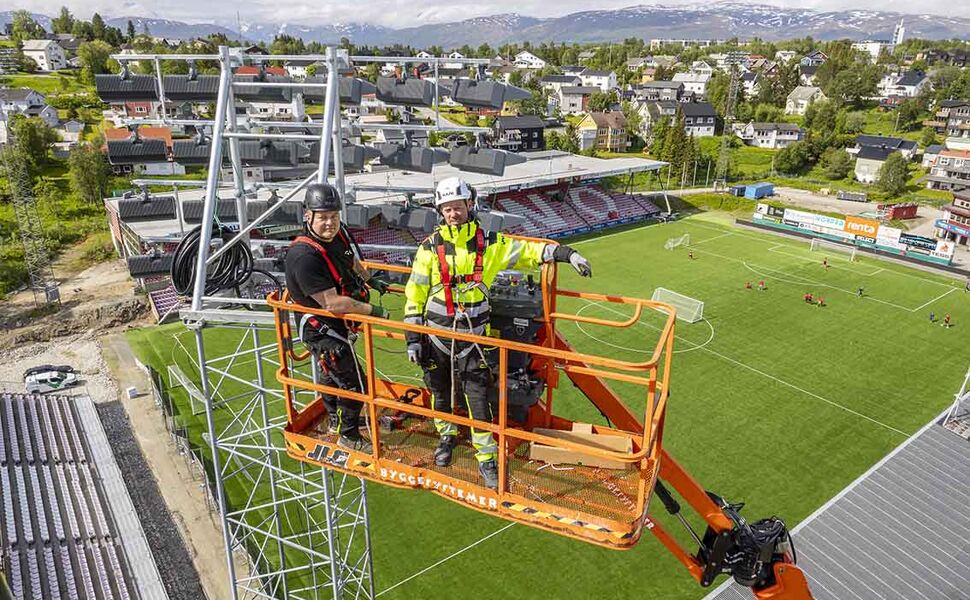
pixel 940 297
pixel 444 560
pixel 710 239
pixel 783 382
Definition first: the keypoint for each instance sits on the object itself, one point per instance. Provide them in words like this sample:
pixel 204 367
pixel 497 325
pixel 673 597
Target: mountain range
pixel 718 20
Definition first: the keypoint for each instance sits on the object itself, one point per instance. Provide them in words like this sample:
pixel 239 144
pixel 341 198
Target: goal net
pixel 672 243
pixel 820 245
pixel 688 309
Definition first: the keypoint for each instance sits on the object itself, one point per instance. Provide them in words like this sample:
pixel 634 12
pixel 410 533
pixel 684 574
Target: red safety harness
pixel 448 281
pixel 342 288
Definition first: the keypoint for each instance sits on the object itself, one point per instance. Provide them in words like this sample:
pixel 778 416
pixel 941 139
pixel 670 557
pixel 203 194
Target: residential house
pixel 17 100
pixel 652 113
pixel 574 100
pixel 701 68
pixel 868 162
pixel 519 134
pixel 9 63
pixel 750 82
pixel 815 58
pixel 769 135
pixel 660 90
pixel 637 64
pixel 604 80
pixel 145 152
pixel 574 70
pixel 68 43
pixel 700 119
pixel 695 83
pixel 784 56
pixel 954 221
pixel 48 55
pixel 587 55
pixel 930 154
pixel 800 97
pixel 454 65
pixel 908 148
pixel 909 85
pixel 528 60
pixel 46 113
pixel 70 133
pixel 806 74
pixel 424 55
pixel 952 119
pixel 603 131
pixel 950 171
pixel 554 83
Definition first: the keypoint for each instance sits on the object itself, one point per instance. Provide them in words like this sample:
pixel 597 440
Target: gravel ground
pixel 81 351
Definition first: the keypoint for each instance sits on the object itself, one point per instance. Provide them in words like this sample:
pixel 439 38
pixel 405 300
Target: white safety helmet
pixel 451 189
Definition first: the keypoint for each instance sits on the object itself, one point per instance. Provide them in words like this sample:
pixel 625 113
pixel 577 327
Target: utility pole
pixel 42 282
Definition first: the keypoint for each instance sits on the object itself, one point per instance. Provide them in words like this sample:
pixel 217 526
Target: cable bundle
pixel 230 271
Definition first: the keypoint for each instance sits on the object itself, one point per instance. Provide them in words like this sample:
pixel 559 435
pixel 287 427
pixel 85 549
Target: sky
pixel 404 13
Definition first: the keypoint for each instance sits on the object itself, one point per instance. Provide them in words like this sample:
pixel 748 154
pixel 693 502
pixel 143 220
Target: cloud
pixel 404 13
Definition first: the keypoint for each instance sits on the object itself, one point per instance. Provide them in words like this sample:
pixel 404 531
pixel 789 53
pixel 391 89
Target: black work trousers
pixel 339 368
pixel 473 377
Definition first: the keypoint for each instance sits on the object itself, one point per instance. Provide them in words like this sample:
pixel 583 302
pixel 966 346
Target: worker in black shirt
pixel 322 271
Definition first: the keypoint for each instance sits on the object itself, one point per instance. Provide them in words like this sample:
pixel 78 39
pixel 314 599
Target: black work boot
pixel 489 472
pixel 442 454
pixel 357 444
pixel 333 423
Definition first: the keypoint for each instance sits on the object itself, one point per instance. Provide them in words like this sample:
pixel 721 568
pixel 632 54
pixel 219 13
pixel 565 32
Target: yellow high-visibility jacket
pixel 426 294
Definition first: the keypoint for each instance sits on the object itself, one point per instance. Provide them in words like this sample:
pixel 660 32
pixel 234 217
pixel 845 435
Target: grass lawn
pixel 774 402
pixel 45 83
pixel 884 123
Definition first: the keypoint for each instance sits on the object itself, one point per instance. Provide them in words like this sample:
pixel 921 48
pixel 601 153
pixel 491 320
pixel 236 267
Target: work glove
pixel 581 265
pixel 379 311
pixel 379 285
pixel 415 353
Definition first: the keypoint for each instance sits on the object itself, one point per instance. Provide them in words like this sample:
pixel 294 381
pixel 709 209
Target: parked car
pixel 49 378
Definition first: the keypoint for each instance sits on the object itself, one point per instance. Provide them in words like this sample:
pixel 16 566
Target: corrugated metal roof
pixel 126 151
pixel 900 531
pixel 138 209
pixel 148 264
pixel 180 88
pixel 134 87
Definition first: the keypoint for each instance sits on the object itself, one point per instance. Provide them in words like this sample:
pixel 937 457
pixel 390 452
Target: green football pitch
pixel 774 402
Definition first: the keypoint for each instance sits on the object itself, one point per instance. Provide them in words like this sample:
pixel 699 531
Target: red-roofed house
pixel 254 70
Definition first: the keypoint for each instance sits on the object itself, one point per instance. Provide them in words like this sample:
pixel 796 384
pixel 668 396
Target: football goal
pixel 689 309
pixel 846 250
pixel 672 243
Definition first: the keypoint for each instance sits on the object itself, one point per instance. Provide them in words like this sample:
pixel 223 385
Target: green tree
pixel 98 27
pixel 601 101
pixel 130 31
pixel 927 137
pixel 34 140
pixel 24 27
pixel 855 122
pixel 64 22
pixel 633 119
pixel 88 172
pixel 837 163
pixel 908 114
pixel 893 175
pixel 658 137
pixel 793 159
pixel 94 58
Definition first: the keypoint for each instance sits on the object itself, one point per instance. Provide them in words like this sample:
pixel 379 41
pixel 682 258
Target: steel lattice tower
pixel 32 236
pixel 724 155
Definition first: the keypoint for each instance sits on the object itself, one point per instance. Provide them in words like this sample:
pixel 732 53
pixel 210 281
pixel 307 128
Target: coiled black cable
pixel 230 271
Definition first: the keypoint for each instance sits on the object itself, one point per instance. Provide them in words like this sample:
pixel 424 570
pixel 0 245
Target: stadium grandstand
pixel 69 528
pixel 552 194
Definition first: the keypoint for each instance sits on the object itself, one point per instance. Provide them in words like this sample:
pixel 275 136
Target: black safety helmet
pixel 322 197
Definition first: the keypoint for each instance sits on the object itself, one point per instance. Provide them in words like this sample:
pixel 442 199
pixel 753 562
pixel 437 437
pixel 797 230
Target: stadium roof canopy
pixel 541 169
pixel 899 531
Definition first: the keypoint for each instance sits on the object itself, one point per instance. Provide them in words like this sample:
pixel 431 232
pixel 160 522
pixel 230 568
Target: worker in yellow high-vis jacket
pixel 448 289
